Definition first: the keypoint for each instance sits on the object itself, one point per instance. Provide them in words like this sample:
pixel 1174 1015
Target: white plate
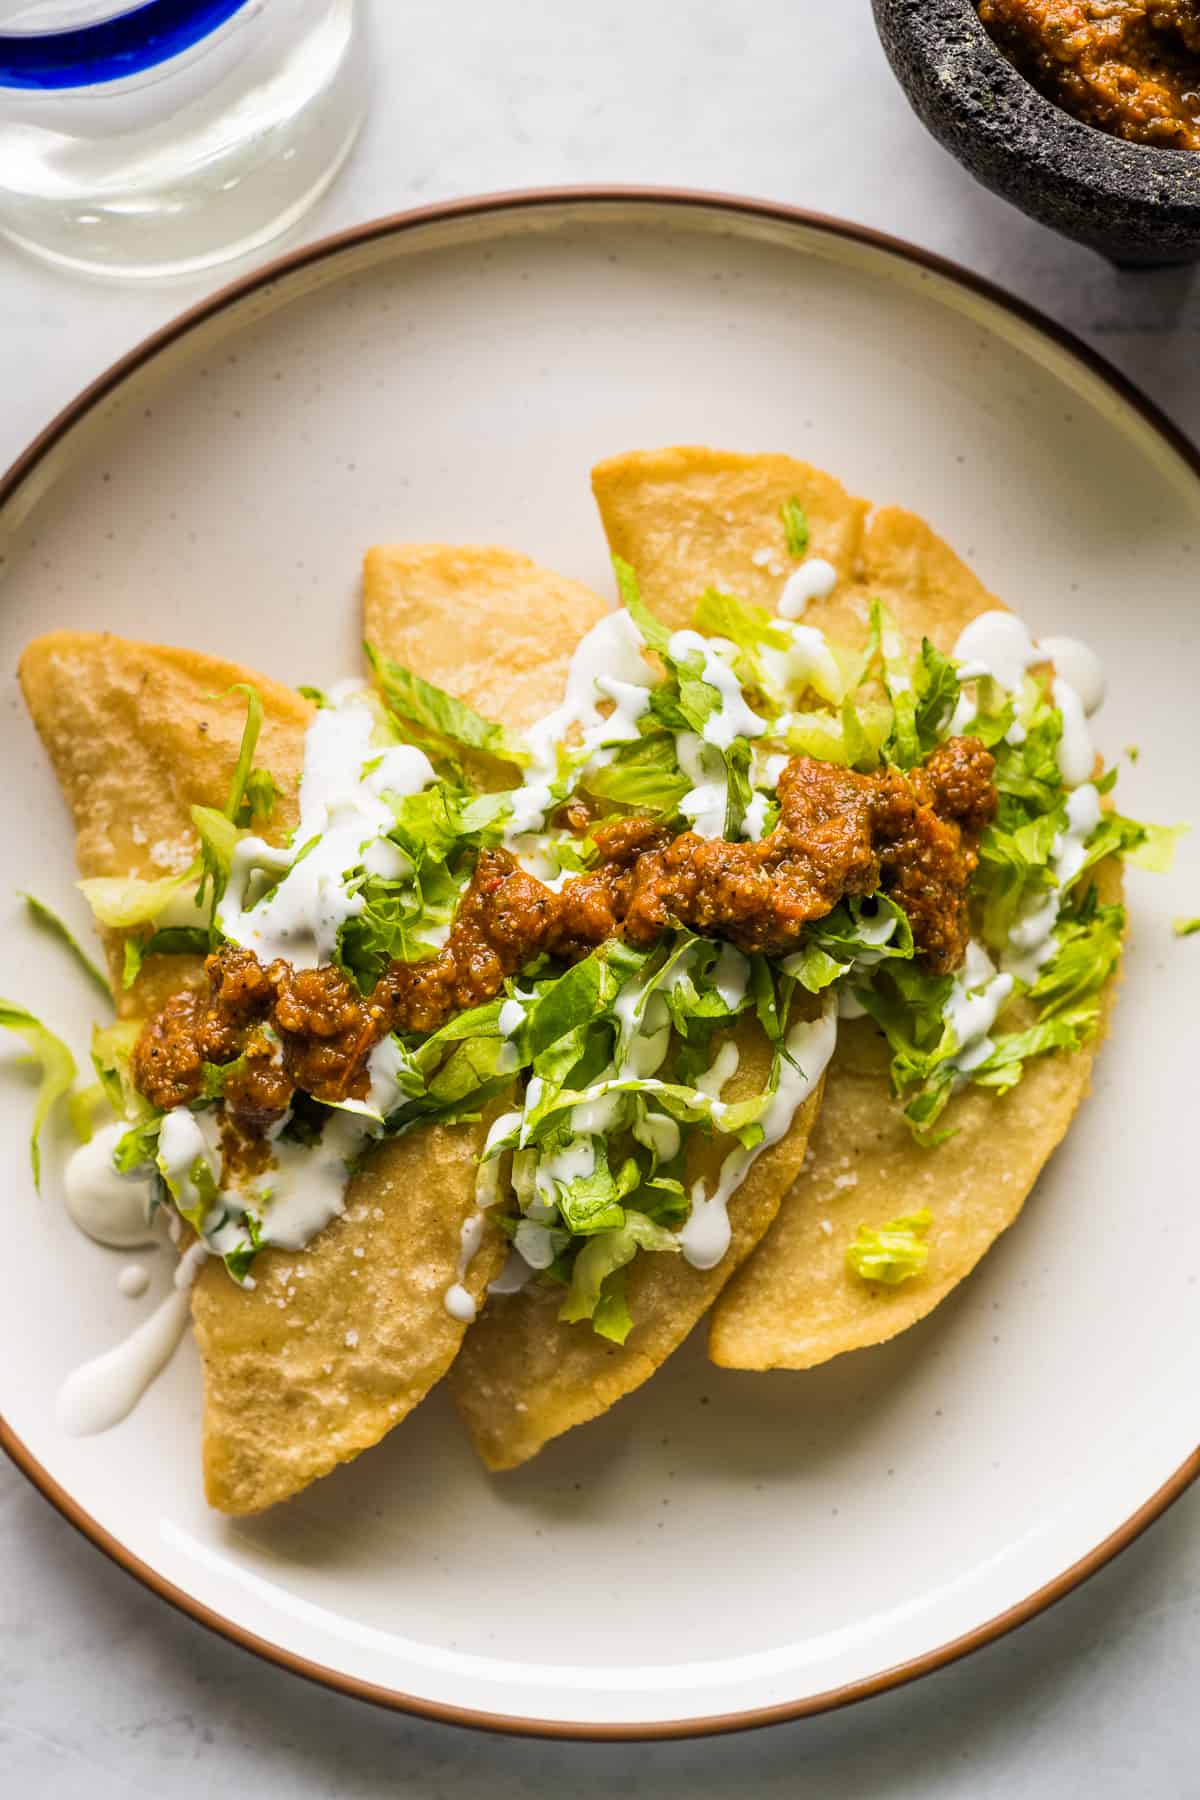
pixel 721 1548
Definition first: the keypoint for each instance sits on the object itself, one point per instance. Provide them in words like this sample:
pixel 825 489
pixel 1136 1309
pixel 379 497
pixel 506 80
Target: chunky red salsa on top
pixel 913 836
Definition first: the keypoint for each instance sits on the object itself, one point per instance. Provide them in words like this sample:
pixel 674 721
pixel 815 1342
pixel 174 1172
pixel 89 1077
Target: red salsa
pixel 1129 67
pixel 913 836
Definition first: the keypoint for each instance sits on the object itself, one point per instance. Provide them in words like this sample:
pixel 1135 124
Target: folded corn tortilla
pixel 522 1377
pixel 689 518
pixel 336 1343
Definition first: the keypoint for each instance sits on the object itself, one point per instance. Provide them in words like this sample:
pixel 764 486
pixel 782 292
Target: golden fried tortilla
pixel 522 1377
pixel 336 1343
pixel 488 625
pixel 690 518
pixel 137 735
pixel 796 1303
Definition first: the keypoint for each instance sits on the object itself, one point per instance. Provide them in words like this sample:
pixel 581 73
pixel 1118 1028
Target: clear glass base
pixel 209 161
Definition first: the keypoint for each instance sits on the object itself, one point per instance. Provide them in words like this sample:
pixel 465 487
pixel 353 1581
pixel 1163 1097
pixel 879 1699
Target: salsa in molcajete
pixel 1128 67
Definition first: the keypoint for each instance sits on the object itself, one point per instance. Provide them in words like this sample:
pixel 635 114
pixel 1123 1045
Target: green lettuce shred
pixel 591 1294
pixel 122 901
pixel 48 1053
pixel 249 743
pixel 173 940
pixel 46 917
pixel 112 1047
pixel 653 631
pixel 418 705
pixel 644 776
pixel 218 841
pixel 795 526
pixel 1156 851
pixel 894 1253
pixel 81 1109
pixel 908 1004
pixel 137 1149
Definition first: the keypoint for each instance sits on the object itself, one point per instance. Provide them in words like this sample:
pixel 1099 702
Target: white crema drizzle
pixel 999 645
pixel 102 1392
pixel 344 821
pixel 607 667
pixel 705 1235
pixel 112 1209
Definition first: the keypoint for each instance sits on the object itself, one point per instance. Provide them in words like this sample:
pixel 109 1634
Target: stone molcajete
pixel 1136 205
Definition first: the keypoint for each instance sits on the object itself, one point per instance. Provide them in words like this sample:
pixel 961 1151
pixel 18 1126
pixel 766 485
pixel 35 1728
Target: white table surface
pixel 105 1693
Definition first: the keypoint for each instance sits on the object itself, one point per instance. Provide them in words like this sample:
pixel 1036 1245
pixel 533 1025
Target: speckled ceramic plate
pixel 721 1549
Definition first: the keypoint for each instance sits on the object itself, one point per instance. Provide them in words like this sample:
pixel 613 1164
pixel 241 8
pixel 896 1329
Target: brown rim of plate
pixel 533 200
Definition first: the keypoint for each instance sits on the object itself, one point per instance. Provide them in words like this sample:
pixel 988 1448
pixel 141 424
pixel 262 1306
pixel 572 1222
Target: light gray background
pixel 104 1692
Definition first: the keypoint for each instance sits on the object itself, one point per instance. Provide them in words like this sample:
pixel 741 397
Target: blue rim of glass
pixel 85 56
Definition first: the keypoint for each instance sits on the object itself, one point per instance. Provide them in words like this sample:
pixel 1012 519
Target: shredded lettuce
pixel 617 1157
pixel 738 787
pixel 46 917
pixel 417 703
pixel 112 1046
pixel 137 1148
pixel 1089 938
pixel 57 1067
pixel 1156 851
pixel 853 736
pixel 937 689
pixel 653 631
pixel 751 629
pixel 643 776
pixel 122 901
pixel 245 761
pixel 173 940
pixel 398 920
pixel 795 526
pixel 218 840
pixel 1066 1029
pixel 903 746
pixel 923 692
pixel 591 1294
pixel 216 1076
pixel 857 935
pixel 685 702
pixel 238 1261
pixel 909 1005
pixel 592 1203
pixel 439 830
pixel 1016 850
pixel 81 1106
pixel 195 1195
pixel 894 1253
pixel 1185 927
pixel 259 800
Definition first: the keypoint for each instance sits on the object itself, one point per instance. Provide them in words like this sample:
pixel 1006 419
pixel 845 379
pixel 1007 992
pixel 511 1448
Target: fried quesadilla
pixel 681 515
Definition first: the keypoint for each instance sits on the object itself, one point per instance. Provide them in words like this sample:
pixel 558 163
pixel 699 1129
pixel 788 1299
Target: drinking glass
pixel 159 138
